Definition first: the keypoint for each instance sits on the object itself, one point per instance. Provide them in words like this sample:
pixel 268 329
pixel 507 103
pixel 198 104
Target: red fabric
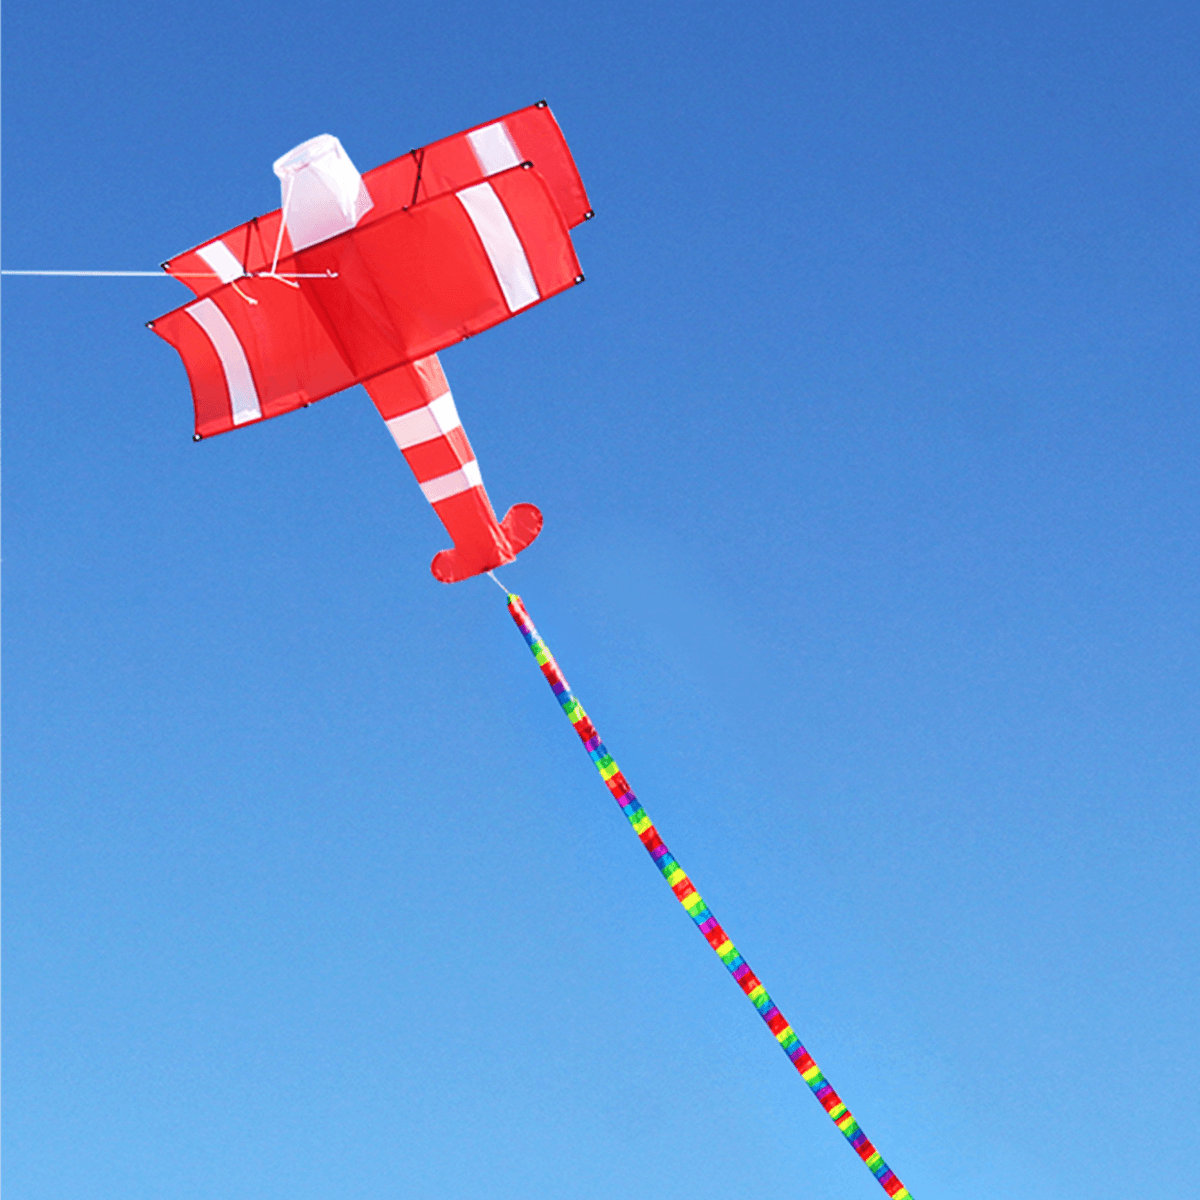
pixel 542 229
pixel 206 377
pixel 540 141
pixel 409 387
pixel 618 785
pixel 480 543
pixel 439 456
pixel 252 244
pixel 407 285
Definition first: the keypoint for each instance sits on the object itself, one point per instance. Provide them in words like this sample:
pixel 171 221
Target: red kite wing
pixel 529 135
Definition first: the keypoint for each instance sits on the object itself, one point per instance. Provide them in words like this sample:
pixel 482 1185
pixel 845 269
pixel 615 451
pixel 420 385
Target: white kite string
pixel 145 274
pixel 183 274
pixel 497 583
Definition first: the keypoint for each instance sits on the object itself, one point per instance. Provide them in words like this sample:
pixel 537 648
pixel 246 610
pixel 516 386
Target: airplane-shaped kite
pixel 363 278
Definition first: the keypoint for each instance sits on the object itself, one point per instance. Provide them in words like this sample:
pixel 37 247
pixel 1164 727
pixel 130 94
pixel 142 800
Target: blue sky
pixel 867 456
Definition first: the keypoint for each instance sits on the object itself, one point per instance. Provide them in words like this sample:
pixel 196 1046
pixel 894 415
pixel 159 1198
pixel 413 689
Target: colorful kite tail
pixel 691 900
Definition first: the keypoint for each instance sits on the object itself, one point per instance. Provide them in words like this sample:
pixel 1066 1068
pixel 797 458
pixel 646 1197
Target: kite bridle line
pixel 283 223
pixel 686 894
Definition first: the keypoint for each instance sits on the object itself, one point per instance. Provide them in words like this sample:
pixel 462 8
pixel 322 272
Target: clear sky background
pixel 868 461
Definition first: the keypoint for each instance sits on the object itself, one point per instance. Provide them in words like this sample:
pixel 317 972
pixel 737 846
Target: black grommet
pixel 527 164
pixel 587 216
pixel 541 104
pixel 578 278
pixel 195 437
pixel 149 324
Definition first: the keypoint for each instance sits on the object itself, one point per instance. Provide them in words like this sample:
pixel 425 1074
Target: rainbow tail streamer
pixel 691 900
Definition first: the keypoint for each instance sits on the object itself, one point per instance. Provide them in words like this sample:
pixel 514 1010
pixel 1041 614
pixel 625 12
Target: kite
pixel 364 279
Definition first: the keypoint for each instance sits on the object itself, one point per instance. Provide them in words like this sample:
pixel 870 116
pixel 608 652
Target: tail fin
pixel 415 402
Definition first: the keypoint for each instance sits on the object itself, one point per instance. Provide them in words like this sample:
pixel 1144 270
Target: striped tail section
pixel 416 404
pixel 693 903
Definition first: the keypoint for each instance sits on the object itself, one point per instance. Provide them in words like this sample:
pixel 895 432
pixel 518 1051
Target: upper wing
pixel 529 135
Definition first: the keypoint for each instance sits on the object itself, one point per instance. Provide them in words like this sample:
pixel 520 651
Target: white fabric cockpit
pixel 323 193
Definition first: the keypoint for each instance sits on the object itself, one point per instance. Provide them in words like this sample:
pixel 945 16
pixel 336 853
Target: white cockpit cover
pixel 327 194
